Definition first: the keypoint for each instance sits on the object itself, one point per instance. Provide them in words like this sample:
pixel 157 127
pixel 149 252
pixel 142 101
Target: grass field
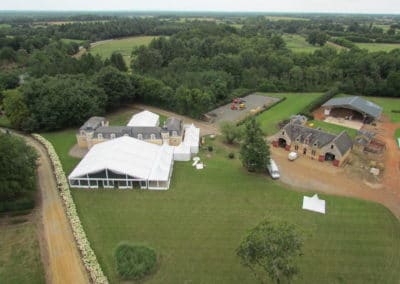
pixel 294 103
pixel 5 26
pixel 197 225
pixel 124 46
pixel 333 128
pixel 285 18
pixel 373 47
pixel 20 260
pixel 123 117
pixel 297 43
pixel 68 40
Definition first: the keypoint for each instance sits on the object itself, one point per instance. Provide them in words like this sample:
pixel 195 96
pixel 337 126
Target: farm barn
pixel 352 108
pixel 125 162
pixel 314 143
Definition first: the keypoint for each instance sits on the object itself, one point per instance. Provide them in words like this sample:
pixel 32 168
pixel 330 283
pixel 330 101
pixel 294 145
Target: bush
pixel 231 155
pixel 210 148
pixel 134 261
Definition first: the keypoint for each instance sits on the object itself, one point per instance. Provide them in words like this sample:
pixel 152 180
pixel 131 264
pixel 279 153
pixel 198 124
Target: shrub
pixel 134 261
pixel 231 155
pixel 210 148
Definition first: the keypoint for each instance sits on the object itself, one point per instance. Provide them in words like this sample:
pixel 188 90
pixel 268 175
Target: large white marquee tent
pixel 125 162
pixel 145 119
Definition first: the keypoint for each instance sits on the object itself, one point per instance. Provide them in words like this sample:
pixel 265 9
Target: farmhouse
pixel 352 108
pixel 142 126
pixel 314 143
pixel 125 162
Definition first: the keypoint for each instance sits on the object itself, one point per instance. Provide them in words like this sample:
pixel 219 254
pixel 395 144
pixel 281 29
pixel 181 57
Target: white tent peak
pixel 314 204
pixel 145 119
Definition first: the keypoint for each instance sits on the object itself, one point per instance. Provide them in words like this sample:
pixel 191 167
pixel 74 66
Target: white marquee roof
pixel 144 118
pixel 314 204
pixel 127 155
pixel 192 136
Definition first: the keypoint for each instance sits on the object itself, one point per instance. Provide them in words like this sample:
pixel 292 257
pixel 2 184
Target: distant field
pixel 20 260
pixel 124 46
pixel 389 105
pixel 293 104
pixel 297 43
pixel 68 40
pixel 373 47
pixel 5 26
pixel 285 18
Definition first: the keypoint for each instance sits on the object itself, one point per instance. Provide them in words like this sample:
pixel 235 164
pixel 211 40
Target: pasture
pixel 375 47
pixel 293 104
pixel 196 226
pixel 20 260
pixel 297 43
pixel 124 46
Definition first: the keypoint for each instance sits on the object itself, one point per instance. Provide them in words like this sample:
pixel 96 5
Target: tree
pixel 317 37
pixel 254 151
pixel 15 108
pixel 17 167
pixel 118 62
pixel 231 132
pixel 270 250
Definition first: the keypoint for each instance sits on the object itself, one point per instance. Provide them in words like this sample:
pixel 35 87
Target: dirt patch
pixel 77 152
pixel 254 103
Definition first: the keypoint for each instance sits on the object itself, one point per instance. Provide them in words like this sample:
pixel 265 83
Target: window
pixel 283 132
pixel 82 132
pixel 331 146
pixel 296 147
pixel 315 144
pixel 152 136
pixel 313 152
pixel 174 133
pixel 112 135
pixel 100 136
pixel 140 136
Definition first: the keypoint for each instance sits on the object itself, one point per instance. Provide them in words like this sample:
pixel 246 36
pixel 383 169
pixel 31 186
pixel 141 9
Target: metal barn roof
pixel 356 103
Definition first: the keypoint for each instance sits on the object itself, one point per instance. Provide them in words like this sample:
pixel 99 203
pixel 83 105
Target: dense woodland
pixel 191 68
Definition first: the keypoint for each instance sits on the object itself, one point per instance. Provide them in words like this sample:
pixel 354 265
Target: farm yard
pixel 124 46
pixel 209 212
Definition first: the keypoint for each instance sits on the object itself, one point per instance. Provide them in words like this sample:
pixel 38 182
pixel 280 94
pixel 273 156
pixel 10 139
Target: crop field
pixel 20 260
pixel 124 46
pixel 293 104
pixel 196 226
pixel 297 43
pixel 374 47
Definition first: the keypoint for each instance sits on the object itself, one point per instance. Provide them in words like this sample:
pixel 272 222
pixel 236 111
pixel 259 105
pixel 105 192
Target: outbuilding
pixel 125 162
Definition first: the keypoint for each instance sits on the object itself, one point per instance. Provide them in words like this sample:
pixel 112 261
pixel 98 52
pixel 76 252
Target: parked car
pixel 273 169
pixel 292 156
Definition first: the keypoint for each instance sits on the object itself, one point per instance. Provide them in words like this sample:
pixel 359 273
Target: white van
pixel 273 169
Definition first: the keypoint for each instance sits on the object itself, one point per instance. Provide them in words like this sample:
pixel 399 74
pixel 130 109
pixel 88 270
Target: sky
pixel 326 6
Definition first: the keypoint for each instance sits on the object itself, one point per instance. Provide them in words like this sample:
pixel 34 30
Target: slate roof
pixel 120 131
pixel 92 123
pixel 356 103
pixel 173 124
pixel 311 136
pixel 364 137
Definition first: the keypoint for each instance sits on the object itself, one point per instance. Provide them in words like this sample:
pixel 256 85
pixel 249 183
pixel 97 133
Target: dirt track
pixel 62 260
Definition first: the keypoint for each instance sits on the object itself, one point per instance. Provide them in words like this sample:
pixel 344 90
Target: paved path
pixel 62 260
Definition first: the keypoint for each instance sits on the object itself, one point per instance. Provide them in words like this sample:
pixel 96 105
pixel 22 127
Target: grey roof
pixel 343 142
pixel 318 137
pixel 356 103
pixel 173 124
pixel 128 130
pixel 364 137
pixel 92 123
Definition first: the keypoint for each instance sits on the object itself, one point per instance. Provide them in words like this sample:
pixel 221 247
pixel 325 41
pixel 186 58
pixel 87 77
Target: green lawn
pixel 373 47
pixel 197 224
pixel 333 128
pixel 20 260
pixel 122 117
pixel 5 26
pixel 124 46
pixel 63 141
pixel 293 104
pixel 389 105
pixel 297 43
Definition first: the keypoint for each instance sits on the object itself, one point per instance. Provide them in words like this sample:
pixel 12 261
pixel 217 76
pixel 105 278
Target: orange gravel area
pixel 62 260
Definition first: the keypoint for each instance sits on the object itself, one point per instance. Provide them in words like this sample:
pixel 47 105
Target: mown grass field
pixel 297 43
pixel 293 104
pixel 124 46
pixel 197 225
pixel 20 260
pixel 374 47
